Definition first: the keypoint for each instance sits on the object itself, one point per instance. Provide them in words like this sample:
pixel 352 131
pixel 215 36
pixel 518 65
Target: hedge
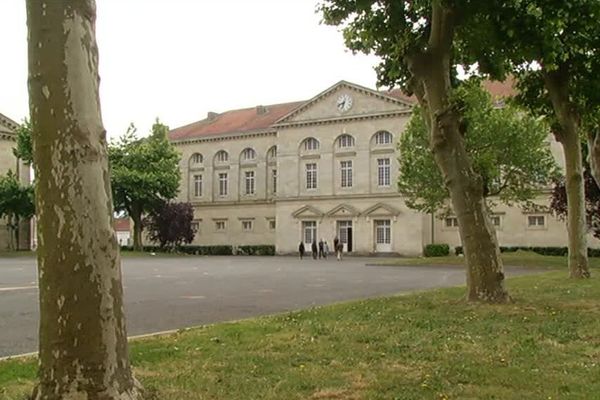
pixel 256 250
pixel 224 250
pixel 436 250
pixel 545 251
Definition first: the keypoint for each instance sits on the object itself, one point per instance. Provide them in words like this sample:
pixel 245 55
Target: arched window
pixel 221 157
pixel 248 154
pixel 383 137
pixel 311 144
pixel 345 141
pixel 272 153
pixel 196 159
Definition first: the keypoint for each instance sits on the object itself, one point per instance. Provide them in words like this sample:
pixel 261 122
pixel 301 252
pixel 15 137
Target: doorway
pixel 345 234
pixel 383 235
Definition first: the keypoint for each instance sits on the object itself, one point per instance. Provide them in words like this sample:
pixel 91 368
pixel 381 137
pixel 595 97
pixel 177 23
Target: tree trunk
pixel 83 350
pixel 485 277
pixel 594 154
pixel 136 216
pixel 557 86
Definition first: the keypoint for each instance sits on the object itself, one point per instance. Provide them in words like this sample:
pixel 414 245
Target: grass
pixel 429 345
pixel 518 258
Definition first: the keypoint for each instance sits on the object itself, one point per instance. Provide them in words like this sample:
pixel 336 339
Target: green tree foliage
pixel 16 203
pixel 508 148
pixel 24 149
pixel 171 225
pixel 144 174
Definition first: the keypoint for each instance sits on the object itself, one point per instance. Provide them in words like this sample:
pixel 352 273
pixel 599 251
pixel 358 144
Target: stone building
pixel 9 162
pixel 321 168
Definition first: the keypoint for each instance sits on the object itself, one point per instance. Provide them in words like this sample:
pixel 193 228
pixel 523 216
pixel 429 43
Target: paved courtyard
pixel 171 293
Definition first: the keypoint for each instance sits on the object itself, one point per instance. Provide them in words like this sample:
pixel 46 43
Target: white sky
pixel 179 59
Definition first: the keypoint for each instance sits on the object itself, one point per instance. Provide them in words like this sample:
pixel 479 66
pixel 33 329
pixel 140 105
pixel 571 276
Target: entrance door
pixel 383 235
pixel 345 234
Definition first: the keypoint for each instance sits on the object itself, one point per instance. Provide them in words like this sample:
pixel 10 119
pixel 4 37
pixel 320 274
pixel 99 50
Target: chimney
pixel 212 115
pixel 261 110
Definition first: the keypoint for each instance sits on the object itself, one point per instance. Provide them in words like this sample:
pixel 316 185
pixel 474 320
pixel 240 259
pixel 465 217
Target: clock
pixel 344 102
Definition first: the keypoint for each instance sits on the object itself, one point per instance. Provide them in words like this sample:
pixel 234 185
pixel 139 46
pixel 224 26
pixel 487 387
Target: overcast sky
pixel 179 59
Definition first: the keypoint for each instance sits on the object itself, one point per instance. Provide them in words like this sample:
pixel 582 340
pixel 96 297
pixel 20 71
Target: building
pixel 8 162
pixel 322 168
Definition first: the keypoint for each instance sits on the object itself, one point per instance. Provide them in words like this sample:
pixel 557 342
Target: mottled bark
pixel 136 216
pixel 594 154
pixel 83 341
pixel 568 136
pixel 485 277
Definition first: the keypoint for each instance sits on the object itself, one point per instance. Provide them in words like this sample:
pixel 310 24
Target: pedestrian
pixel 321 248
pixel 325 249
pixel 301 249
pixel 336 242
pixel 313 248
pixel 340 248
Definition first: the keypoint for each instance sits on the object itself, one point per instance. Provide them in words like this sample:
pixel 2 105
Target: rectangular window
pixel 536 220
pixel 311 176
pixel 272 224
pixel 309 231
pixel 383 231
pixel 223 184
pixel 383 172
pixel 247 225
pixel 197 185
pixel 220 225
pixel 451 222
pixel 496 220
pixel 249 178
pixel 195 226
pixel 346 173
pixel 274 181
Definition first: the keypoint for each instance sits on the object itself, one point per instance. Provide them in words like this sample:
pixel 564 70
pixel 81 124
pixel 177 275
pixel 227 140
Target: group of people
pixel 321 249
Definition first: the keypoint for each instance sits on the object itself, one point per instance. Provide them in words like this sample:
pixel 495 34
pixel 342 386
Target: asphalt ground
pixel 172 293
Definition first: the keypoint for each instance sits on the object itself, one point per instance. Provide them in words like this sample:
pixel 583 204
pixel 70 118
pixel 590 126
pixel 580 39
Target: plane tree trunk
pixel 485 276
pixel 83 350
pixel 568 136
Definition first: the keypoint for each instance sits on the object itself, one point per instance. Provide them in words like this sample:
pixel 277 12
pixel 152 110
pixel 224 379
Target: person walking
pixel 340 248
pixel 336 243
pixel 314 249
pixel 320 248
pixel 325 249
pixel 301 249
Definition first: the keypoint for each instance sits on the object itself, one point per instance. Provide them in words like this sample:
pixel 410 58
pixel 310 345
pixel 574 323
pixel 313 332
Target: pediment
pixel 307 212
pixel 381 210
pixel 365 102
pixel 343 210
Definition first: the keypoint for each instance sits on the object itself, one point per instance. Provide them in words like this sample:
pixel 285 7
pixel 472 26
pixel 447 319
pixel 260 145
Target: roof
pixel 261 118
pixel 121 224
pixel 235 121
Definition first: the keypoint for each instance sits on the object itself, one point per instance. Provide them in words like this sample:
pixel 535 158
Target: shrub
pixel 544 251
pixel 436 250
pixel 256 250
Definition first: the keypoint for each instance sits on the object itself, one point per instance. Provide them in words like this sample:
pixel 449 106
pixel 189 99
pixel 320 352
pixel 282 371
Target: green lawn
pixel 518 258
pixel 430 345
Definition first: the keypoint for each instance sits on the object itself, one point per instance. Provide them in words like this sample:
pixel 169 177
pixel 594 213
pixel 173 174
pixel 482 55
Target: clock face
pixel 344 102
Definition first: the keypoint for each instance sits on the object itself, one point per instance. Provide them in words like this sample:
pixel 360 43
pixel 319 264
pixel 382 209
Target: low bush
pixel 256 250
pixel 544 251
pixel 223 250
pixel 436 250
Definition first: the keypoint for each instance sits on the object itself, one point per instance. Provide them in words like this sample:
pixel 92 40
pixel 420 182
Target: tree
pixel 417 42
pixel 144 174
pixel 83 351
pixel 171 225
pixel 508 149
pixel 16 203
pixel 24 149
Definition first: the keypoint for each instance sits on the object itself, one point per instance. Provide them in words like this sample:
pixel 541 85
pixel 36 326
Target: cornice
pixel 339 197
pixel 341 119
pixel 224 136
pixel 225 203
pixel 8 136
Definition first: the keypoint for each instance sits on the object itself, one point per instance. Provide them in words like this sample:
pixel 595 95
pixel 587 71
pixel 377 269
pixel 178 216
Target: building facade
pixel 8 162
pixel 318 169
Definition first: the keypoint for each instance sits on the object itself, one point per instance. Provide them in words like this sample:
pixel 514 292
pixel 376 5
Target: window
pixel 345 141
pixel 197 185
pixel 220 225
pixel 311 144
pixel 222 156
pixel 272 224
pixel 274 173
pixel 309 231
pixel 383 137
pixel 536 221
pixel 272 154
pixel 196 159
pixel 346 169
pixel 247 225
pixel 311 176
pixel 248 154
pixel 249 179
pixel 195 225
pixel 383 172
pixel 383 231
pixel 496 220
pixel 223 184
pixel 451 222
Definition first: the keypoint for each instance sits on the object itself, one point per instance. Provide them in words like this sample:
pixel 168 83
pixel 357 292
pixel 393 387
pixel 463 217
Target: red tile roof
pixel 121 224
pixel 244 120
pixel 501 89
